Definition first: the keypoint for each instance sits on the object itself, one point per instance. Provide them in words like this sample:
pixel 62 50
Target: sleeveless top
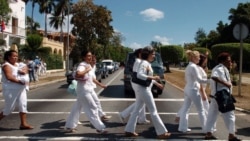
pixel 7 84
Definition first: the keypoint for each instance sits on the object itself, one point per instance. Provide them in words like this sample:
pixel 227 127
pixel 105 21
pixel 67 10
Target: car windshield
pixel 107 63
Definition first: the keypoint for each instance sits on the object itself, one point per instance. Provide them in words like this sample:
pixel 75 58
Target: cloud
pixel 135 45
pixel 152 14
pixel 162 40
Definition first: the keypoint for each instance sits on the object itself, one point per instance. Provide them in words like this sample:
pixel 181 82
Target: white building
pixel 14 32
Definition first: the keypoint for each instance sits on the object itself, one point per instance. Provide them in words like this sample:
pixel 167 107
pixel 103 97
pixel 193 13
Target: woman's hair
pixel 222 57
pixel 84 53
pixel 137 52
pixel 7 54
pixel 203 58
pixel 146 51
pixel 191 54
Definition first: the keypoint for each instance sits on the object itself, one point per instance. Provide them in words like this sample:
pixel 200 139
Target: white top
pixel 144 71
pixel 84 84
pixel 7 84
pixel 203 75
pixel 221 72
pixel 136 64
pixel 193 77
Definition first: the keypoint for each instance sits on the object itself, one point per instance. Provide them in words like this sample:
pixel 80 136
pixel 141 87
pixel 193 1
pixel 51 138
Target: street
pixel 50 105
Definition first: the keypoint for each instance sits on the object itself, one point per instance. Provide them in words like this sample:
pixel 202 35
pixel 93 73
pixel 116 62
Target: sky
pixel 171 22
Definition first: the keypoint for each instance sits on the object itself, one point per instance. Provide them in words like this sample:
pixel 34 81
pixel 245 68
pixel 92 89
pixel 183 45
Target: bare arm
pixel 98 83
pixel 8 73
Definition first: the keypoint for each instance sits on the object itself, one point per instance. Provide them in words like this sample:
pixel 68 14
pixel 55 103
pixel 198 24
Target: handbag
pixel 224 99
pixel 141 82
pixel 72 88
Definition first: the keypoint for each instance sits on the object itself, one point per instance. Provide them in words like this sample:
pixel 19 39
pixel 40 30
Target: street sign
pixel 240 31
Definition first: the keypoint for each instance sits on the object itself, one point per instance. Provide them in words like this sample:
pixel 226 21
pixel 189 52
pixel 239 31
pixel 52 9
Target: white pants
pixel 86 103
pixel 14 98
pixel 127 112
pixel 192 96
pixel 98 104
pixel 228 117
pixel 145 96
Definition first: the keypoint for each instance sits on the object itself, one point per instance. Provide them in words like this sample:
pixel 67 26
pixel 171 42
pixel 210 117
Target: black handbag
pixel 224 99
pixel 141 82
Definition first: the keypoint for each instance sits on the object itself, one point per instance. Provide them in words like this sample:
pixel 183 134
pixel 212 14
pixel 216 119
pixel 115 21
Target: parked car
pixel 110 65
pixel 157 66
pixel 98 73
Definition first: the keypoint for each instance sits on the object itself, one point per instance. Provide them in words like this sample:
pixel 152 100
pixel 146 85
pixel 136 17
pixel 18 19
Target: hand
pixel 159 85
pixel 104 86
pixel 157 78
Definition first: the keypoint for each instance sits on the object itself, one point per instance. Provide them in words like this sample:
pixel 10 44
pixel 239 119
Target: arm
pixel 81 73
pixel 203 93
pixel 225 83
pixel 98 83
pixel 8 73
pixel 195 73
pixel 144 68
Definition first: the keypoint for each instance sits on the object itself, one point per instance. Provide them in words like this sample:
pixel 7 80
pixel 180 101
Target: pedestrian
pixel 23 77
pixel 221 80
pixel 101 114
pixel 192 93
pixel 85 101
pixel 31 67
pixel 127 112
pixel 14 92
pixel 145 96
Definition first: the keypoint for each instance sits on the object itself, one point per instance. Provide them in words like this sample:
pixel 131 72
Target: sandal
pixel 210 137
pixel 26 127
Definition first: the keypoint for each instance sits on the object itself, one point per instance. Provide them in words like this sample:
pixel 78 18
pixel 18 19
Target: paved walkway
pixel 245 80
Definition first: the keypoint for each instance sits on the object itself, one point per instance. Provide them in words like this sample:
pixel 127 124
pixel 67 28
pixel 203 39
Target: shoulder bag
pixel 139 81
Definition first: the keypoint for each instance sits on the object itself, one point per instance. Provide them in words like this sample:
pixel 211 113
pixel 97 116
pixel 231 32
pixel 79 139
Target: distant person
pixel 14 92
pixel 31 67
pixel 220 75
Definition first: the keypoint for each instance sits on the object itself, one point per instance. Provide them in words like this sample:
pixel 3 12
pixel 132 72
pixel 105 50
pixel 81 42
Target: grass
pixel 177 78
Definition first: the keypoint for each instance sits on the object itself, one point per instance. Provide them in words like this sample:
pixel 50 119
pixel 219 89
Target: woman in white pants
pixel 145 96
pixel 127 112
pixel 85 101
pixel 14 92
pixel 192 93
pixel 220 75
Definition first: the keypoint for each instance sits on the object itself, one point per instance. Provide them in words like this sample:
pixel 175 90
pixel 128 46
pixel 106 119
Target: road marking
pixel 102 99
pixel 99 92
pixel 114 113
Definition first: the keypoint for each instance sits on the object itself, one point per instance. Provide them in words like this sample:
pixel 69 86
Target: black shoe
pixel 234 139
pixel 210 137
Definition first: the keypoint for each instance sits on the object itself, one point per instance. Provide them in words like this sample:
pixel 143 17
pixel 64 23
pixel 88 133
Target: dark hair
pixel 7 54
pixel 84 53
pixel 202 59
pixel 222 57
pixel 137 52
pixel 146 51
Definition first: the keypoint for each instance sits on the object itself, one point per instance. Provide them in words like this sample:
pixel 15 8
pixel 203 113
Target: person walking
pixel 101 114
pixel 31 66
pixel 84 101
pixel 127 112
pixel 145 96
pixel 14 92
pixel 192 92
pixel 221 80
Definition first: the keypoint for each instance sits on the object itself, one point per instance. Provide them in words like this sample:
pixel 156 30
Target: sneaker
pixel 188 130
pixel 121 118
pixel 105 118
pixel 144 122
pixel 79 122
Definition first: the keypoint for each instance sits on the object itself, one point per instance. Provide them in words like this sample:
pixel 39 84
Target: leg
pixel 211 119
pixel 183 124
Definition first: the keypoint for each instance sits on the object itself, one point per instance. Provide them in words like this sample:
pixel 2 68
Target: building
pixel 14 32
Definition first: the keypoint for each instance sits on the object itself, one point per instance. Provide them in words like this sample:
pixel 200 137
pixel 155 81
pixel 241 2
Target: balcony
pixel 15 31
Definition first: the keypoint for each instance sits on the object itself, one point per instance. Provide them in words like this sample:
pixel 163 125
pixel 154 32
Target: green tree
pixel 4 10
pixel 201 37
pixel 34 47
pixel 31 25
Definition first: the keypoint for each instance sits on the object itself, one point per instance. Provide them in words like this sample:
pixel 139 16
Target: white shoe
pixel 121 118
pixel 188 130
pixel 144 122
pixel 80 123
pixel 105 118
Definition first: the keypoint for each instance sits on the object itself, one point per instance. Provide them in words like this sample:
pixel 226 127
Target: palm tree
pixel 46 6
pixel 62 10
pixel 32 13
pixel 56 22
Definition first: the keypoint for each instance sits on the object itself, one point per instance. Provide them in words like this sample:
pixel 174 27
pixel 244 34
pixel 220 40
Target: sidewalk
pixel 245 80
pixel 45 79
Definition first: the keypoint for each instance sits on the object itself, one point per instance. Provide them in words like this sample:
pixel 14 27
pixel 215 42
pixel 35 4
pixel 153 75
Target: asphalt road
pixel 49 106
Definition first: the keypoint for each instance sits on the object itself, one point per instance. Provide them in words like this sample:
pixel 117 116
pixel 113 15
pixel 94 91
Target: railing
pixel 15 30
